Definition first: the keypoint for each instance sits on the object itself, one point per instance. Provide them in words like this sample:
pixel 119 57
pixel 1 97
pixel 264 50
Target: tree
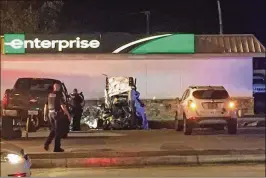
pixel 29 16
pixel 49 16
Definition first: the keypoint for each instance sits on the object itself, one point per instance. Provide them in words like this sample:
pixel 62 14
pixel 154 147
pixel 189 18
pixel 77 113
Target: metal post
pixel 220 16
pixel 146 70
pixel 27 126
pixel 147 13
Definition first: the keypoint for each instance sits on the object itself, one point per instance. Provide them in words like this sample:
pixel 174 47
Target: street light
pixel 147 13
pixel 220 17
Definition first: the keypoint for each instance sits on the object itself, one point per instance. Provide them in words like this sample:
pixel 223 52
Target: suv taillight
pixel 5 100
pixel 192 105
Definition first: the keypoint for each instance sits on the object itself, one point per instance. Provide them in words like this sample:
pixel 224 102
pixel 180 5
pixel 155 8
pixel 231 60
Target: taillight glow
pixel 192 105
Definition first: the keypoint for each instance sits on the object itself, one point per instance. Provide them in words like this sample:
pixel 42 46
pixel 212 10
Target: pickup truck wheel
pixel 8 131
pixel 232 126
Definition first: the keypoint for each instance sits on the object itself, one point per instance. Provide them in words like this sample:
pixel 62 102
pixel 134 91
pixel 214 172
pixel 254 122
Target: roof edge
pixel 127 56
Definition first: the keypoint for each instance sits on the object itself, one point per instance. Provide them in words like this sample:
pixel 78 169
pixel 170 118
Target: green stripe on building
pixel 173 44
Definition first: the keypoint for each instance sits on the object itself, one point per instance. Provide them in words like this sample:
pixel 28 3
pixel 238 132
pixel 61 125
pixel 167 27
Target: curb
pixel 115 154
pixel 152 160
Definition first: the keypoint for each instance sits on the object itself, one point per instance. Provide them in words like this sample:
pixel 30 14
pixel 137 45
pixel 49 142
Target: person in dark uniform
pixel 77 99
pixel 54 110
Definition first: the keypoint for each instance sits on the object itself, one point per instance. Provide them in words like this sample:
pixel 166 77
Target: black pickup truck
pixel 26 100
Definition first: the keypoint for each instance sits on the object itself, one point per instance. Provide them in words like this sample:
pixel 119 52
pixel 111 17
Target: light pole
pixel 220 17
pixel 147 13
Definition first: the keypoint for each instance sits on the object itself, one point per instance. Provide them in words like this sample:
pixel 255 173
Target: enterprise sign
pixel 109 43
pixel 18 44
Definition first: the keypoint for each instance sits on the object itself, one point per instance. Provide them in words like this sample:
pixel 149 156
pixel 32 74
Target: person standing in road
pixel 77 99
pixel 54 110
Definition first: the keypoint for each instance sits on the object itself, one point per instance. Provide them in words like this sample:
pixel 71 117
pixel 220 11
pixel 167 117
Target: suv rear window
pixel 34 84
pixel 210 94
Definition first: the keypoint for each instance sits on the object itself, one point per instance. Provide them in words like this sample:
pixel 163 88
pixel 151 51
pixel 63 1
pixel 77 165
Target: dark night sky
pixel 191 16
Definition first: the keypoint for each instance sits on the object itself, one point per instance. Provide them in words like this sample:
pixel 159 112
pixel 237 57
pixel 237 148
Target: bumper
pixel 23 113
pixel 207 115
pixel 199 121
pixel 9 112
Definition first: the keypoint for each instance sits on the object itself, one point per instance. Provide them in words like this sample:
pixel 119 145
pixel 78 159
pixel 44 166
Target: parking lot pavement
pixel 153 140
pixel 157 171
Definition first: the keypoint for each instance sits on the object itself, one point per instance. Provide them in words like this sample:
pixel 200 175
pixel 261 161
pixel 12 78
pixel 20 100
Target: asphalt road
pixel 158 171
pixel 151 140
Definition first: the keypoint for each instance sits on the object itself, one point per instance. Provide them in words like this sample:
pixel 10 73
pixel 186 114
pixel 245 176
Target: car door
pixel 184 102
pixel 181 106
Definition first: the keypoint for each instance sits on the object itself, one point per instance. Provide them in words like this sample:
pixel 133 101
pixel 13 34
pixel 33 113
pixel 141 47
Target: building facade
pixel 164 64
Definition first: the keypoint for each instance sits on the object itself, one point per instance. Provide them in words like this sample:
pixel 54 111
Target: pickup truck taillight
pixel 5 100
pixel 231 105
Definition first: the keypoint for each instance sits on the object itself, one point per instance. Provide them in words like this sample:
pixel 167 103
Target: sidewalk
pixel 151 140
pixel 139 147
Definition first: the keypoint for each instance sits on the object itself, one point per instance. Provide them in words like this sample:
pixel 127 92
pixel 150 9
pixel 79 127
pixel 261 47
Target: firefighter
pixel 55 110
pixel 77 109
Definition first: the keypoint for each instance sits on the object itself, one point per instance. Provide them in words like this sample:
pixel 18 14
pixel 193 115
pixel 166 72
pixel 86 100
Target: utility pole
pixel 220 17
pixel 147 13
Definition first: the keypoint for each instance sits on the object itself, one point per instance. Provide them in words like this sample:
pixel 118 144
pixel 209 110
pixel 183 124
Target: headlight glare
pixel 11 158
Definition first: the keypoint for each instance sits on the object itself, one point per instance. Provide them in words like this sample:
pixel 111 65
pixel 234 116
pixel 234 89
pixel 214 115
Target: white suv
pixel 206 106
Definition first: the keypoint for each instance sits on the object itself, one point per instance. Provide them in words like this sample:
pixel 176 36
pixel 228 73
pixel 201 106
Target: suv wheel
pixel 232 126
pixel 188 127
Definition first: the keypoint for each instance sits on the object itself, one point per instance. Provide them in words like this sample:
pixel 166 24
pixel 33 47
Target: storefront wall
pixel 162 79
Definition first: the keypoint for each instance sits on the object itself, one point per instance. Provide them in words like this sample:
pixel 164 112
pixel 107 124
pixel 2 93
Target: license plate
pixel 33 112
pixel 212 105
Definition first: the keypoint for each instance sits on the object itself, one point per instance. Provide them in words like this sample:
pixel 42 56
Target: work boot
pixel 46 147
pixel 59 150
